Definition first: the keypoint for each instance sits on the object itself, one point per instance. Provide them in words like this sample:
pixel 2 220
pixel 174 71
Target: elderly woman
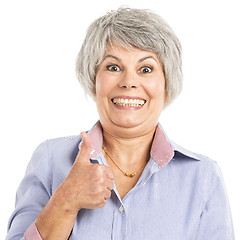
pixel 123 179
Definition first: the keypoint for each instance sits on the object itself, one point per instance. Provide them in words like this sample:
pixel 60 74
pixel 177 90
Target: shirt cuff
pixel 32 233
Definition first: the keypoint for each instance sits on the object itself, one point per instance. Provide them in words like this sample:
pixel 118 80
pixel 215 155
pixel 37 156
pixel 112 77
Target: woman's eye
pixel 113 68
pixel 146 70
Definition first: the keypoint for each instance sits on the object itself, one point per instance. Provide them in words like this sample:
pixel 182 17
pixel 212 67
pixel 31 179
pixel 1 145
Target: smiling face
pixel 130 91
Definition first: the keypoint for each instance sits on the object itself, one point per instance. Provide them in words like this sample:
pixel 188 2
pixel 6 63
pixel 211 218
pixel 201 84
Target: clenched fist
pixel 87 185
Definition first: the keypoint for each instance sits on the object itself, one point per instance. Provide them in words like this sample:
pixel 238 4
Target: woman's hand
pixel 86 186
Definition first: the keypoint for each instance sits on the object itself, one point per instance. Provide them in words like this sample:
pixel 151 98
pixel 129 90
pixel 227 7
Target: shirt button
pixel 121 209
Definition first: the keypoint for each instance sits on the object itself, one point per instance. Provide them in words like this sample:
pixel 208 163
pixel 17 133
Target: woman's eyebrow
pixel 144 58
pixel 112 56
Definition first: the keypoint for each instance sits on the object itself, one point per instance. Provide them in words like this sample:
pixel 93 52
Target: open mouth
pixel 128 102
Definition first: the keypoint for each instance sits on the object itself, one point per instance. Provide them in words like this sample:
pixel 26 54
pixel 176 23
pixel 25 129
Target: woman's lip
pixel 128 97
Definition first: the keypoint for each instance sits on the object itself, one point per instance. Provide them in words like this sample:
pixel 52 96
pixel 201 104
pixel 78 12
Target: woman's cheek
pixel 155 88
pixel 104 84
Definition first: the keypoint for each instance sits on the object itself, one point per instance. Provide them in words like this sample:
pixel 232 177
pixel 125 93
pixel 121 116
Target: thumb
pixel 84 148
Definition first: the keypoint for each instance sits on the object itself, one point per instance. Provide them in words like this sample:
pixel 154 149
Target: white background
pixel 41 98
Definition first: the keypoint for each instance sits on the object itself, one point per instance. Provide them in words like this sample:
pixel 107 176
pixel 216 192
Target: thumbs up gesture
pixel 87 185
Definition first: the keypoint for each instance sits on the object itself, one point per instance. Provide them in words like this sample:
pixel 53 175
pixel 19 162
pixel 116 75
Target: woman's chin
pixel 127 122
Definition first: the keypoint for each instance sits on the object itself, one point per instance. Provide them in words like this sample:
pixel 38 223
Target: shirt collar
pixel 162 151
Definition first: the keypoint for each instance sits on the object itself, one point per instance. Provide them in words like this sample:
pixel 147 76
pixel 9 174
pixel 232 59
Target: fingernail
pixel 80 145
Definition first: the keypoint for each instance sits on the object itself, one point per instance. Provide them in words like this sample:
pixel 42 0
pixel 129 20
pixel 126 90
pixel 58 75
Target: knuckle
pixel 109 194
pixel 111 185
pixel 110 173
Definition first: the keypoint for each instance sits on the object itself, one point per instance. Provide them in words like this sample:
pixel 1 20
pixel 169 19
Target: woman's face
pixel 130 90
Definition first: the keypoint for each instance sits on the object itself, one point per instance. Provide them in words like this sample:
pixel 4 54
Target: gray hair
pixel 130 28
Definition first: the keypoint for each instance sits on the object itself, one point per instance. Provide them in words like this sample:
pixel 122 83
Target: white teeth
pixel 128 102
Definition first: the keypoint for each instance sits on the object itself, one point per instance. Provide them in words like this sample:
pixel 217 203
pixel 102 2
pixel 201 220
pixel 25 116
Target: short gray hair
pixel 129 27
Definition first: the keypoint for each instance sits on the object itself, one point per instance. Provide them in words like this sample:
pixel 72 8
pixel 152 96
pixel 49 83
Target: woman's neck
pixel 128 151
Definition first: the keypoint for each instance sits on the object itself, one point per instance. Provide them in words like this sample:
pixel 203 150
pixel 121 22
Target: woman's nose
pixel 129 80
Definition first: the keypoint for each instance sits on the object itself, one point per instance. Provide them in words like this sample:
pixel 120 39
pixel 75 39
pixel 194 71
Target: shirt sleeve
pixel 32 233
pixel 216 219
pixel 32 195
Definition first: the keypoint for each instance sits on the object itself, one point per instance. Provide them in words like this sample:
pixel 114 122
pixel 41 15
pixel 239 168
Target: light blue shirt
pixel 179 196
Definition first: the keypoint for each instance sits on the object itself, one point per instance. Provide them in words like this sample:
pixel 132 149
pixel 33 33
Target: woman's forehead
pixel 117 52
